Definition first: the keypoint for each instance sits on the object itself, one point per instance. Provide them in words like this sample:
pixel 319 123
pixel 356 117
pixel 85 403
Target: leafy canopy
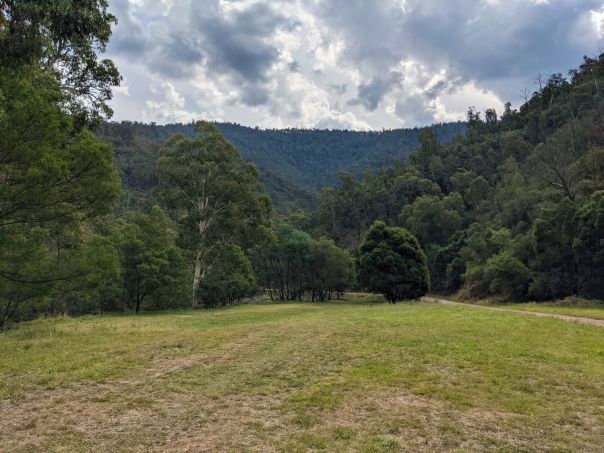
pixel 63 39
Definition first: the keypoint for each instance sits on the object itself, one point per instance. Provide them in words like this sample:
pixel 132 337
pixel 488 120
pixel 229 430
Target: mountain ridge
pixel 294 163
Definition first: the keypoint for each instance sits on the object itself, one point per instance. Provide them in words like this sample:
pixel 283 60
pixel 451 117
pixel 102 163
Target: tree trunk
pixel 197 278
pixel 138 303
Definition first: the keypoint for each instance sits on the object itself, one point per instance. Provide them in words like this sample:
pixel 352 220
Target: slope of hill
pixel 294 162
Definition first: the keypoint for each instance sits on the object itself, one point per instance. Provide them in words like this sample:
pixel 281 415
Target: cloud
pixel 169 108
pixel 371 94
pixel 341 63
pixel 128 36
pixel 237 44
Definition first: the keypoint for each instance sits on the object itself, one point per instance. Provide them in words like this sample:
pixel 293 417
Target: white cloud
pixel 597 17
pixel 341 63
pixel 169 107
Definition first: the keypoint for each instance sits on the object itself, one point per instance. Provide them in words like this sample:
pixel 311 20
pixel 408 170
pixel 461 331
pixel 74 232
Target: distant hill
pixel 294 163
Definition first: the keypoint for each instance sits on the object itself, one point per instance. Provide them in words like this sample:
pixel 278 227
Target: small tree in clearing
pixel 392 263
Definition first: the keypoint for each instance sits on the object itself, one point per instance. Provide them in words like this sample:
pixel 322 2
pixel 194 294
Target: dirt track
pixel 595 322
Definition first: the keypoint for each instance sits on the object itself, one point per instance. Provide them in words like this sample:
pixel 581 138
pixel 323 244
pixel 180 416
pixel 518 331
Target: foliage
pixel 230 279
pixel 54 180
pixel 216 195
pixel 502 275
pixel 152 265
pixel 62 39
pixel 508 209
pixel 291 265
pixel 589 247
pixel 392 263
pixel 293 163
pixel 330 270
pixel 51 172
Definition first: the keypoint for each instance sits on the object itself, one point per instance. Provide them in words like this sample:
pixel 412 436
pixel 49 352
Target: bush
pixel 507 276
pixel 393 264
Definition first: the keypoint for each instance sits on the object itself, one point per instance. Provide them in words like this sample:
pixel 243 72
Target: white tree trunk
pixel 197 278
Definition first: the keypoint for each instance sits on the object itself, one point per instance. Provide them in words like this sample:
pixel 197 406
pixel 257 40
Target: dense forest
pixel 513 208
pixel 293 163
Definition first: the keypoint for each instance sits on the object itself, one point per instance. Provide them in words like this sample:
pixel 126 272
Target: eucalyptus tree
pixel 217 196
pixel 63 39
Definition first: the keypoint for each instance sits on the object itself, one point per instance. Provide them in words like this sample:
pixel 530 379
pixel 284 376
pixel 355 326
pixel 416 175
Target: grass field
pixel 350 376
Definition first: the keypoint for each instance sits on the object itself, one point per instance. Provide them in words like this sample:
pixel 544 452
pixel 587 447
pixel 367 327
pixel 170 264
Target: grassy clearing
pixel 349 376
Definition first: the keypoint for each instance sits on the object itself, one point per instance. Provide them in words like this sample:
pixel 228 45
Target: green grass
pixel 349 376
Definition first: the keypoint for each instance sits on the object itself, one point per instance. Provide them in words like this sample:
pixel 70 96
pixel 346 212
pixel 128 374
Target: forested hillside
pixel 512 209
pixel 294 163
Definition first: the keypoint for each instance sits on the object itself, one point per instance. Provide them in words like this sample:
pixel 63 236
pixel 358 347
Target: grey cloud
pixel 448 86
pixel 414 110
pixel 370 29
pixel 128 36
pixel 254 95
pixel 294 66
pixel 236 46
pixel 338 89
pixel 485 41
pixel 176 56
pixel 371 94
pixel 491 41
pixel 233 45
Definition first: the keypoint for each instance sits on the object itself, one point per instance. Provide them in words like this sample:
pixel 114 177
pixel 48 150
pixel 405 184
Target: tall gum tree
pixel 63 39
pixel 217 196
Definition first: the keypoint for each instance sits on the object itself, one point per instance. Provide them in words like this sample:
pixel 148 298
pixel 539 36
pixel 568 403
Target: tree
pixel 392 263
pixel 554 233
pixel 556 162
pixel 62 39
pixel 150 260
pixel 282 262
pixel 103 271
pixel 230 279
pixel 589 247
pixel 54 180
pixel 216 194
pixel 427 160
pixel 433 220
pixel 507 277
pixel 50 172
pixel 330 270
pixel 474 189
pixel 292 265
pixel 26 272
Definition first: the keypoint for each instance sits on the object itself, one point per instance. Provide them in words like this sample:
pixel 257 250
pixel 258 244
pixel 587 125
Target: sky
pixel 341 64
